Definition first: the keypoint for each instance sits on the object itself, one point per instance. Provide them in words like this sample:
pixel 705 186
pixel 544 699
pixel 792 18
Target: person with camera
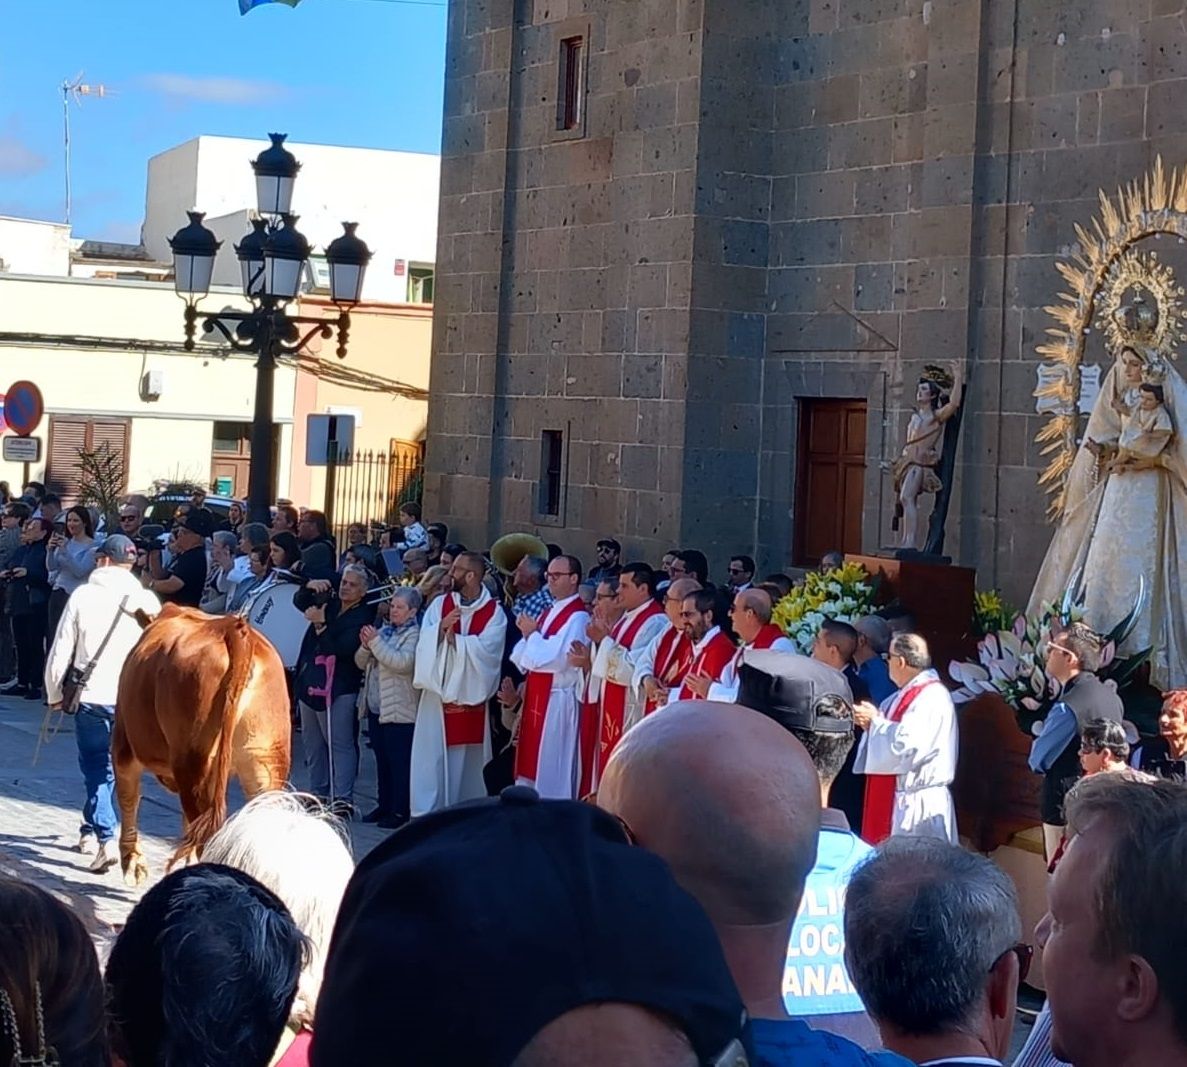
pixel 328 683
pixel 185 578
pixel 71 558
pixel 97 631
pixel 27 602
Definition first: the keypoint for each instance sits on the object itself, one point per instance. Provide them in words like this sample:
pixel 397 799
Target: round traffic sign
pixel 23 408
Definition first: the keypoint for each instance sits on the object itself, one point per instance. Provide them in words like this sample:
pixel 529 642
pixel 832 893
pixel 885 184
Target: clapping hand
pixel 508 695
pixel 368 634
pixel 863 714
pixel 579 656
pixel 699 684
pixel 655 692
pixel 596 630
pixel 527 625
pixel 449 622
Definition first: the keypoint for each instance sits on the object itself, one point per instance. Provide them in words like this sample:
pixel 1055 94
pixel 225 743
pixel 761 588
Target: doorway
pixel 830 478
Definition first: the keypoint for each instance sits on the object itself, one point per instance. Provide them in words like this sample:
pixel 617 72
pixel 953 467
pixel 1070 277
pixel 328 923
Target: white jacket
pixel 86 620
pixel 394 658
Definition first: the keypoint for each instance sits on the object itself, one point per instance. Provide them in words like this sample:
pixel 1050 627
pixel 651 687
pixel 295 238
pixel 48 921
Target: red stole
pixel 767 636
pixel 764 639
pixel 613 694
pixel 536 691
pixel 878 809
pixel 711 660
pixel 465 724
pixel 673 657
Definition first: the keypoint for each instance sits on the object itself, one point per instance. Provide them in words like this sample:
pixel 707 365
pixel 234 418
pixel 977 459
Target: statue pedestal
pixel 940 597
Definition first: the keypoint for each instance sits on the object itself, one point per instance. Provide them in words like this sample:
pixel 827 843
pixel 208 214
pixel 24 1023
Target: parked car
pixel 161 508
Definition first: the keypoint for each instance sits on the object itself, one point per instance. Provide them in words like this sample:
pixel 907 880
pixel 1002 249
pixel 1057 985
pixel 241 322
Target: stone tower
pixel 694 254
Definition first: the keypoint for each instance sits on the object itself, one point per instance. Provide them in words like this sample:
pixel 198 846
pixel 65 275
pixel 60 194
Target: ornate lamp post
pixel 272 260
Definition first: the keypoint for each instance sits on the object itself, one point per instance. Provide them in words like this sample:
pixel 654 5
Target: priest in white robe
pixel 458 658
pixel 909 749
pixel 750 613
pixel 546 752
pixel 660 665
pixel 640 621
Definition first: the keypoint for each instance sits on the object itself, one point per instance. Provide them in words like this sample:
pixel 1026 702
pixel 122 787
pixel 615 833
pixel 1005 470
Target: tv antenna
pixel 75 90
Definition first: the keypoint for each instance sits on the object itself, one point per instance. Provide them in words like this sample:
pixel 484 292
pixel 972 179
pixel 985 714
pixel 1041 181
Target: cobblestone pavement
pixel 39 818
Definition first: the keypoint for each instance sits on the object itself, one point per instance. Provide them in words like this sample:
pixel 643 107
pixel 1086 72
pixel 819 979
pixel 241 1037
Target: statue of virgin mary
pixel 1125 512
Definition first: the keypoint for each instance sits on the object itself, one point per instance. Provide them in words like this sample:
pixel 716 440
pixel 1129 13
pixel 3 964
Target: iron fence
pixel 370 488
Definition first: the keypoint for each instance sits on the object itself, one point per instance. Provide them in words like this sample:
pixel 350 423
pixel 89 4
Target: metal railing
pixel 370 486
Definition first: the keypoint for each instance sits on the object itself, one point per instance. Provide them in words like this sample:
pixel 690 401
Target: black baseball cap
pixel 476 926
pixel 609 542
pixel 197 520
pixel 789 688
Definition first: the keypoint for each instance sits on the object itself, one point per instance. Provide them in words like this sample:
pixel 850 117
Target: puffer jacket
pixel 393 656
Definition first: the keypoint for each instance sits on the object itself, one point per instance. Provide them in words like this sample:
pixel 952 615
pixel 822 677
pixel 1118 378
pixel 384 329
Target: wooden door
pixel 830 478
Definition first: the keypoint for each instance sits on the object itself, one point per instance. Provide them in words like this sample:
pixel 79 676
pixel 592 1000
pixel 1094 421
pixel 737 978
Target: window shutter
pixel 66 437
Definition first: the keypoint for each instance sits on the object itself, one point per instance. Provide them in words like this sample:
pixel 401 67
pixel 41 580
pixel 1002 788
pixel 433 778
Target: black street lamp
pixel 272 261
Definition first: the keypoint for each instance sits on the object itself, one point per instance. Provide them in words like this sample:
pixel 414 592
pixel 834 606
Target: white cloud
pixel 17 159
pixel 216 90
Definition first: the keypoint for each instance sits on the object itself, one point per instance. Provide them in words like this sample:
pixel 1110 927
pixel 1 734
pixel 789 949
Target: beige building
pixel 110 363
pixel 383 383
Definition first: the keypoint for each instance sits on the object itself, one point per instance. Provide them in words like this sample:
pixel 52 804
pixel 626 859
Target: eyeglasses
pixel 736 570
pixel 690 614
pixel 605 596
pixel 557 574
pixel 1025 954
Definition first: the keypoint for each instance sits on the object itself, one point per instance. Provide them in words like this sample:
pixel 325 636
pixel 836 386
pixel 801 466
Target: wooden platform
pixel 938 595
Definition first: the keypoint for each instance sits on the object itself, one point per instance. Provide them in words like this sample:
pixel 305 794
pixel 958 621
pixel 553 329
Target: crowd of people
pixel 765 870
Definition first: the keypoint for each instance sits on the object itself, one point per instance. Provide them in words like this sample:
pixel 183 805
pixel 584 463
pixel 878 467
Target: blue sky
pixel 351 72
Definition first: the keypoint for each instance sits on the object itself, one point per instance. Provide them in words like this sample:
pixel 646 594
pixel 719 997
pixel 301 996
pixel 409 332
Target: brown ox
pixel 200 697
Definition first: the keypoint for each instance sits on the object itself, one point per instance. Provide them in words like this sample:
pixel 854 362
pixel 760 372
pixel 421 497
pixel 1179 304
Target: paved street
pixel 39 818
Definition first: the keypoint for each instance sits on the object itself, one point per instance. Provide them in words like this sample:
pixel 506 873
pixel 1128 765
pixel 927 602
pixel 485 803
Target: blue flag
pixel 246 5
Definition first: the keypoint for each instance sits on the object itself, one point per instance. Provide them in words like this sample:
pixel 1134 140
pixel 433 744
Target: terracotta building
pixel 694 254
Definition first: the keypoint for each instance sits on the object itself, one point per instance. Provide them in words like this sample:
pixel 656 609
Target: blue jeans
pixel 92 731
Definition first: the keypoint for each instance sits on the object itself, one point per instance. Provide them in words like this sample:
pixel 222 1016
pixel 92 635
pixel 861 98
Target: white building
pixel 106 348
pixel 391 195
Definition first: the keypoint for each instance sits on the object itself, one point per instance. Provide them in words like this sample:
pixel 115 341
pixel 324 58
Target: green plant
pixel 101 480
pixel 845 594
pixel 991 613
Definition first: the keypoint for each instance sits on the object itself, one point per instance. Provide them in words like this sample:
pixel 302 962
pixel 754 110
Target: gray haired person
pixel 388 657
pixel 933 946
pixel 223 544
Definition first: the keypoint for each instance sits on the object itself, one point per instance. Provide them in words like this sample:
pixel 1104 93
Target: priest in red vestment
pixel 661 666
pixel 712 650
pixel 642 620
pixel 751 616
pixel 457 670
pixel 546 754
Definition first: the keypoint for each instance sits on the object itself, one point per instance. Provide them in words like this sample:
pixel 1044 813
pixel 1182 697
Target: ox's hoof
pixel 135 872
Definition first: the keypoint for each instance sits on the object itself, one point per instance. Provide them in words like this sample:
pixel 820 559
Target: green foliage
pixel 101 481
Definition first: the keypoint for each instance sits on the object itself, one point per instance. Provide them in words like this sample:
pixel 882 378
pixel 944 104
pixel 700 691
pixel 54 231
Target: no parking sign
pixel 23 408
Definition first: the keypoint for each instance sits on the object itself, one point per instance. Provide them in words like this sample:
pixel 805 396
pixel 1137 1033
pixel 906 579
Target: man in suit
pixel 933 946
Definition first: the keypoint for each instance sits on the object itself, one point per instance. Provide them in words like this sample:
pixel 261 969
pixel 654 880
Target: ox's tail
pixel 237 638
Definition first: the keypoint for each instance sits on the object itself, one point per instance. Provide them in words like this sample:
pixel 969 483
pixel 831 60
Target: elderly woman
pixel 1165 756
pixel 388 655
pixel 292 847
pixel 328 684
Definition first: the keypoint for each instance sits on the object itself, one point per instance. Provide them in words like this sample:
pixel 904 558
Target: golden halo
pixel 1153 283
pixel 1100 275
